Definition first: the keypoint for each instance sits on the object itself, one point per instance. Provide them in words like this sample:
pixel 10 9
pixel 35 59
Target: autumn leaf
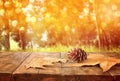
pixel 41 62
pixel 108 63
pixel 105 62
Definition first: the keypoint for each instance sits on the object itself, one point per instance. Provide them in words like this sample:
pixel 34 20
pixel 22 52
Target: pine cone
pixel 77 55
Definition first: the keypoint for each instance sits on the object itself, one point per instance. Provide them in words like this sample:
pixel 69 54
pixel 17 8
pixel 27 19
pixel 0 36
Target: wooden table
pixel 12 68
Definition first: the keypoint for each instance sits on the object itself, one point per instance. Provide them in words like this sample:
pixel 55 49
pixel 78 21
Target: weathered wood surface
pixel 12 66
pixel 32 74
pixel 9 62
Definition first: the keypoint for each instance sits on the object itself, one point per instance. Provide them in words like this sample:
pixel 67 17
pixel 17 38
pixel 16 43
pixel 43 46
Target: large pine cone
pixel 77 55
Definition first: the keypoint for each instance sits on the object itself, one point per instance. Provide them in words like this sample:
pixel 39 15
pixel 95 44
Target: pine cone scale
pixel 77 55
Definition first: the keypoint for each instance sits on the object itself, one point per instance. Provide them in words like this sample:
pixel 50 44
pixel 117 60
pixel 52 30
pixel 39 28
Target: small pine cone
pixel 77 55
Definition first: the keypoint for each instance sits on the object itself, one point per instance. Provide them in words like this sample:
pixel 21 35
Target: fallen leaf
pixel 41 62
pixel 105 62
pixel 108 63
pixel 105 65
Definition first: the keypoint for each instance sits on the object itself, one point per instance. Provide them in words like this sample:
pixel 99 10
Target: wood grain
pixel 9 61
pixel 32 74
pixel 12 68
pixel 92 70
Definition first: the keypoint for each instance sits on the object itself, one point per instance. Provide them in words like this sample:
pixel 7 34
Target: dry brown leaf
pixel 41 62
pixel 93 59
pixel 108 63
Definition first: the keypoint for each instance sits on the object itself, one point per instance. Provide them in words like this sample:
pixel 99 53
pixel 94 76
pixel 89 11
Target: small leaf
pixel 41 62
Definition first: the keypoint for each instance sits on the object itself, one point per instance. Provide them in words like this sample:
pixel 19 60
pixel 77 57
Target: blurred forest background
pixel 38 24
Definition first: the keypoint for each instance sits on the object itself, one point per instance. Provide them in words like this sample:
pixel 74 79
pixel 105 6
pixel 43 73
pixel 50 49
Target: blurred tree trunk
pixel 6 35
pixel 22 35
pixel 6 28
pixel 7 42
pixel 103 38
pixel 93 9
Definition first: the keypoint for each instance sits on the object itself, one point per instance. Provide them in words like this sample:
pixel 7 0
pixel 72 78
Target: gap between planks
pixel 22 61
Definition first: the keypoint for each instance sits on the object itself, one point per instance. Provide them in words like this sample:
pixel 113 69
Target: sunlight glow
pixel 4 33
pixel 43 9
pixel 91 1
pixel 22 28
pixel 67 28
pixel 81 16
pixel 28 19
pixel 106 1
pixel 86 11
pixel 1 3
pixel 14 23
pixel 33 19
pixel 117 14
pixel 67 22
pixel 47 15
pixel 114 7
pixel 7 4
pixel 13 45
pixel 73 30
pixel 29 7
pixel 2 12
pixel 44 36
pixel 32 1
pixel 17 10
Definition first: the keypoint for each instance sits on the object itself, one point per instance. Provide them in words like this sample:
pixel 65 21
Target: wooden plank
pixel 51 70
pixel 22 68
pixel 32 74
pixel 51 73
pixel 116 55
pixel 93 70
pixel 22 74
pixel 84 73
pixel 115 72
pixel 6 77
pixel 9 61
pixel 86 78
pixel 61 73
